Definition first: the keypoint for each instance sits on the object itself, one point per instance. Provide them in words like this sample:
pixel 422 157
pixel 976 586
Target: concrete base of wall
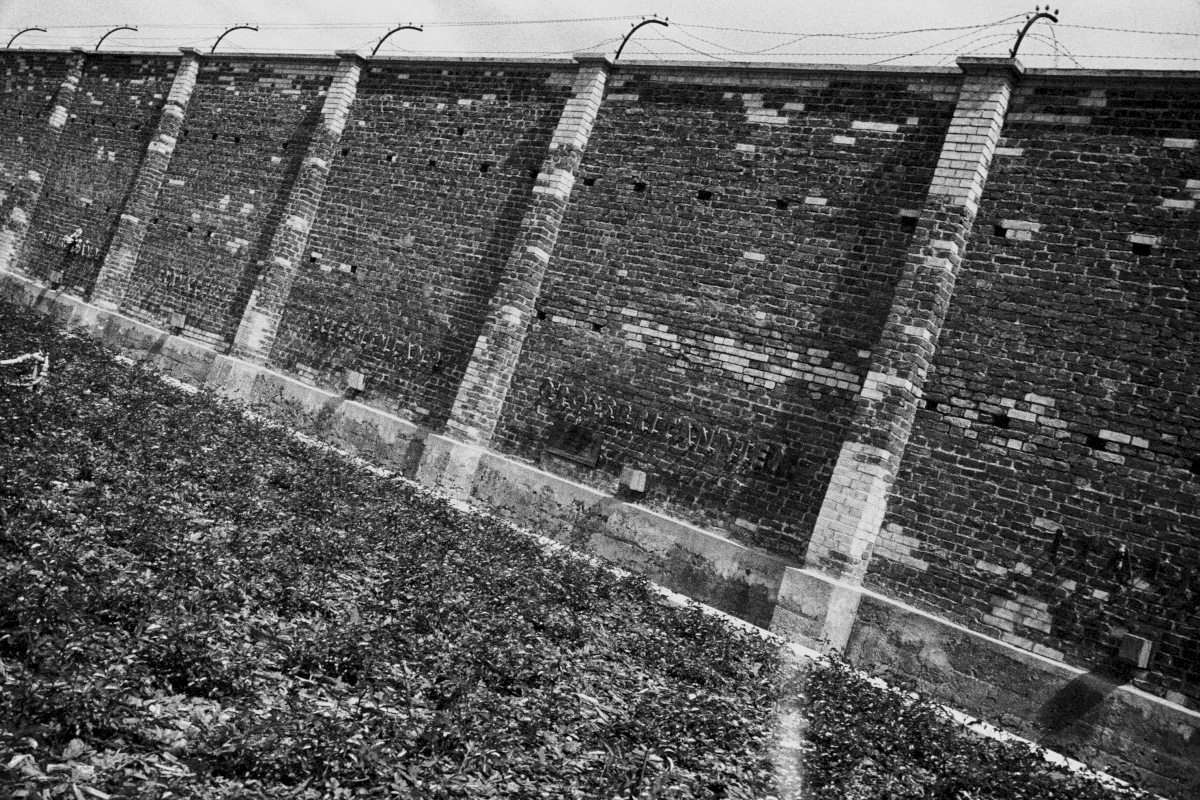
pixel 1089 715
pixel 724 574
pixel 814 610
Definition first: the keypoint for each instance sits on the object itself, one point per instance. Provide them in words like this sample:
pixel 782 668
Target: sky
pixel 1091 34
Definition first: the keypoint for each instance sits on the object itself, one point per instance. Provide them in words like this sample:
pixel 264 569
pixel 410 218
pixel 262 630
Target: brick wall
pixel 732 244
pixel 1051 491
pixel 245 134
pixel 28 83
pixel 98 154
pixel 723 270
pixel 435 170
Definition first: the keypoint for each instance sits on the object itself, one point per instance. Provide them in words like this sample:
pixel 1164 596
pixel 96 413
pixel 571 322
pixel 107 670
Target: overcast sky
pixel 1152 34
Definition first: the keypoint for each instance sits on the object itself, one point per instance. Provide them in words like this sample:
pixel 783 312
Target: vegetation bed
pixel 194 603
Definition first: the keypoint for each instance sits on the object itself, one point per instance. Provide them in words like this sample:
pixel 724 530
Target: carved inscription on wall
pixel 679 434
pixel 72 244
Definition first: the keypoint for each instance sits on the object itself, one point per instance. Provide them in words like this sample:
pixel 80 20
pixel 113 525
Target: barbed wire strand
pixel 987 41
pixel 947 41
pixel 1128 30
pixel 972 28
pixel 1052 40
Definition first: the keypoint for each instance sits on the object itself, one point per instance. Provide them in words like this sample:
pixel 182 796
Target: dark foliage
pixel 866 742
pixel 194 603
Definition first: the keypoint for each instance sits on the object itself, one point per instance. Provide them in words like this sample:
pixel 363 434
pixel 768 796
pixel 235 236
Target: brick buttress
pixel 18 208
pixel 264 310
pixel 450 460
pixel 823 600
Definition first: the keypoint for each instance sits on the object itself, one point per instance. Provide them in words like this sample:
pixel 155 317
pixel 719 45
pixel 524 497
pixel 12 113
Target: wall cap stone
pixel 975 65
pixel 601 59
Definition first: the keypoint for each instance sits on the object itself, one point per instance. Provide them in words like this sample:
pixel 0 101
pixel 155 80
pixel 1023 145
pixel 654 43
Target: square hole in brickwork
pixel 1000 420
pixel 932 402
pixel 237 140
pixel 589 181
pixel 484 167
pixel 540 314
pixel 433 162
pixel 1095 442
pixel 1141 249
pixel 598 326
pixel 1195 467
pixel 639 186
pixel 345 151
pixel 999 231
pixel 908 222
pixel 574 443
pixel 460 130
pixel 782 204
pixel 533 173
pixel 704 194
pixel 214 137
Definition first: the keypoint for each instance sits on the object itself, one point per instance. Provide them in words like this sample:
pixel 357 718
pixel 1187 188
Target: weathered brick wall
pixel 98 154
pixel 1050 495
pixel 731 245
pixel 245 134
pixel 724 268
pixel 436 168
pixel 28 83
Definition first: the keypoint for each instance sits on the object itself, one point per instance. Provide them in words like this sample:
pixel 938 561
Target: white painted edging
pixel 972 724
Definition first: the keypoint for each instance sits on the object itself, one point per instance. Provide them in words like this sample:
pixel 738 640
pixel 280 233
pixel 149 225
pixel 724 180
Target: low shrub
pixel 194 602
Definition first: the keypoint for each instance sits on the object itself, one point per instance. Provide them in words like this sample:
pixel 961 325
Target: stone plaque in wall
pixel 574 443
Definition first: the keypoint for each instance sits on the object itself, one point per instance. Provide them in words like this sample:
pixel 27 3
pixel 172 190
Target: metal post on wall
pixel 18 33
pixel 652 21
pixel 1038 14
pixel 231 30
pixel 110 33
pixel 409 27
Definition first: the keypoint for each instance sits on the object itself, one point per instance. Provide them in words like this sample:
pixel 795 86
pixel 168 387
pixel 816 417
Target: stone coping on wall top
pixel 282 56
pixel 739 66
pixel 1118 74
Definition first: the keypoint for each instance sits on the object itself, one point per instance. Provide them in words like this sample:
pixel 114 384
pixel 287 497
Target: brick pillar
pixel 19 206
pixel 264 311
pixel 822 598
pixel 448 462
pixel 112 282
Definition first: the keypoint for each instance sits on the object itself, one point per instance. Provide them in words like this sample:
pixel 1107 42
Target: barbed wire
pixel 896 55
pixel 977 38
pixel 974 32
pixel 1128 30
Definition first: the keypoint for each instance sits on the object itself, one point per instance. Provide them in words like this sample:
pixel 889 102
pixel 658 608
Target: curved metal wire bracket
pixel 110 33
pixel 1028 24
pixel 18 33
pixel 231 30
pixel 643 23
pixel 394 30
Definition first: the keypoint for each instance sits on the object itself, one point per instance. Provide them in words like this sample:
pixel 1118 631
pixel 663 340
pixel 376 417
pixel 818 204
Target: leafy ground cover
pixel 194 603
